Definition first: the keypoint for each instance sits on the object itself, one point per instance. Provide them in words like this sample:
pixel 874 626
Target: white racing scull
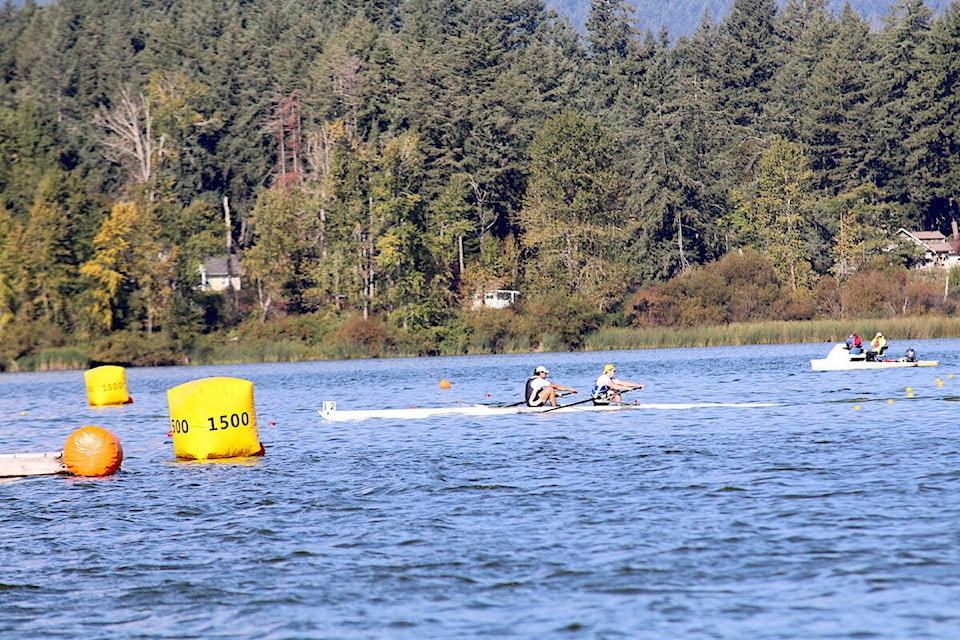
pixel 330 411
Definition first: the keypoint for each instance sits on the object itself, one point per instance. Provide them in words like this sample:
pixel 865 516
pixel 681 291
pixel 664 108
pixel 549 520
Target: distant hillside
pixel 682 17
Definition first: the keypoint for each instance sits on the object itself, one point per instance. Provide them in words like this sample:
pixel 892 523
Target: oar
pixel 517 404
pixel 573 404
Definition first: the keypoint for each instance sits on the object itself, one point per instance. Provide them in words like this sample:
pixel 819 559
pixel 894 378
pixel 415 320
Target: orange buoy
pixel 444 384
pixel 92 451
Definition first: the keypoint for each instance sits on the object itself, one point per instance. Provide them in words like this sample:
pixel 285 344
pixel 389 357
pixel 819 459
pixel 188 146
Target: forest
pixel 373 166
pixel 682 17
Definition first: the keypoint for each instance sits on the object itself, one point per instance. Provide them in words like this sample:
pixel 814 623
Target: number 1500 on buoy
pixel 222 423
pixel 232 420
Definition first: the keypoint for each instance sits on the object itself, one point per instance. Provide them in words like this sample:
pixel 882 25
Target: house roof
pixel 933 241
pixel 217 267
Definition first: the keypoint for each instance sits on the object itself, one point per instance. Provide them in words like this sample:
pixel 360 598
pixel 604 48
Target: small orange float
pixel 92 451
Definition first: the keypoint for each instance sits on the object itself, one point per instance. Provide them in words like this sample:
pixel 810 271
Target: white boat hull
pixel 330 412
pixel 839 359
pixel 31 464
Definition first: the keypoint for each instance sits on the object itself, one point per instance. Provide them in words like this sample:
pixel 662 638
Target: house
pixel 220 273
pixel 938 252
pixel 496 299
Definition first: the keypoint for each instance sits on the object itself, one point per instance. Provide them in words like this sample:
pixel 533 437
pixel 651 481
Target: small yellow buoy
pixel 106 385
pixel 890 401
pixel 92 451
pixel 444 384
pixel 909 389
pixel 856 407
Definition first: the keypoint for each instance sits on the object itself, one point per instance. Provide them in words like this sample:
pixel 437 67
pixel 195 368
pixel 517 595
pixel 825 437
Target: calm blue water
pixel 834 514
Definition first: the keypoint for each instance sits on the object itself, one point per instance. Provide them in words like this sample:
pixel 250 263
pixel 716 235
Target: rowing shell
pixel 31 464
pixel 330 411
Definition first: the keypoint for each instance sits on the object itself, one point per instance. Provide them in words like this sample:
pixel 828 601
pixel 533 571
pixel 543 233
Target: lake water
pixel 833 514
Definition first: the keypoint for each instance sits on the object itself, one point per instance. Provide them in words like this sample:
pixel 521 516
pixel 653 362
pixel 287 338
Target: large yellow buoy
pixel 106 385
pixel 92 451
pixel 214 418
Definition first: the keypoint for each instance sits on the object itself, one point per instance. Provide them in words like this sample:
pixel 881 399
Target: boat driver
pixel 539 391
pixel 877 346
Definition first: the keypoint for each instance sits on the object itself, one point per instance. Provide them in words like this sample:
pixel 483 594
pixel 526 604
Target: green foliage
pixel 381 166
pixel 772 215
pixel 571 223
pixel 557 320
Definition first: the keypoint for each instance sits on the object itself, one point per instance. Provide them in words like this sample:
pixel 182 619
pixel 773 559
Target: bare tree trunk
pixel 129 137
pixel 265 302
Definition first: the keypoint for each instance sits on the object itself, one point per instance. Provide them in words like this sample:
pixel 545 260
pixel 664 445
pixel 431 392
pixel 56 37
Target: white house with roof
pixel 938 251
pixel 220 273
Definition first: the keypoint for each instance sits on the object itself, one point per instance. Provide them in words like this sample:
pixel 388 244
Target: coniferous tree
pixel 930 141
pixel 806 29
pixel 837 121
pixel 900 103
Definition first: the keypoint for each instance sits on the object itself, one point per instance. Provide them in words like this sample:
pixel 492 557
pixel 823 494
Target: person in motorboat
pixel 877 346
pixel 608 388
pixel 854 344
pixel 539 391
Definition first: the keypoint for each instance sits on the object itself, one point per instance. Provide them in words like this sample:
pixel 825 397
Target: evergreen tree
pixel 837 120
pixel 900 103
pixel 806 29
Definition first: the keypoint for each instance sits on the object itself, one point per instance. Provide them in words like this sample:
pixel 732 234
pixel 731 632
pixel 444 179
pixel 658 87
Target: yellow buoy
pixel 92 451
pixel 106 385
pixel 856 406
pixel 214 418
pixel 444 384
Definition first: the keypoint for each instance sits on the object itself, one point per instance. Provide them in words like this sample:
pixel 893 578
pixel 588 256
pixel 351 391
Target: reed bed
pixel 57 359
pixel 607 339
pixel 899 328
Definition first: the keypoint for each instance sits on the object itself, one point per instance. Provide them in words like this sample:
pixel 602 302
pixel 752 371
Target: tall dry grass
pixel 900 328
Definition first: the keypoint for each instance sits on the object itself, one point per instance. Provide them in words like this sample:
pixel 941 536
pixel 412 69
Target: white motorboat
pixel 840 359
pixel 330 411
